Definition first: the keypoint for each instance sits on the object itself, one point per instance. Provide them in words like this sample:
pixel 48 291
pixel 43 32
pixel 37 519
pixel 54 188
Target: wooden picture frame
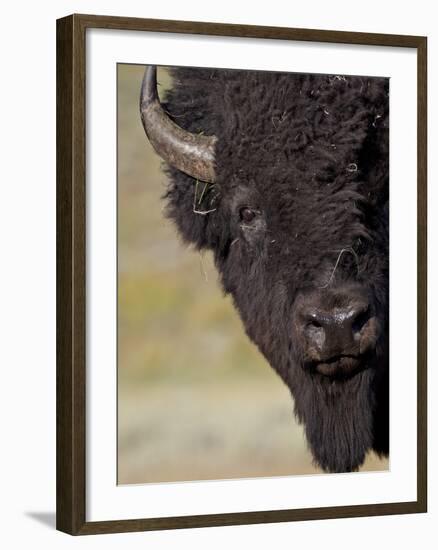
pixel 71 274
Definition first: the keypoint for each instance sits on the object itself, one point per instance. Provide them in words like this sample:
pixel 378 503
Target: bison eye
pixel 247 214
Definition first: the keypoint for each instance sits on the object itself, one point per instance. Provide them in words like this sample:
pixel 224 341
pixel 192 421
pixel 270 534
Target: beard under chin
pixel 337 416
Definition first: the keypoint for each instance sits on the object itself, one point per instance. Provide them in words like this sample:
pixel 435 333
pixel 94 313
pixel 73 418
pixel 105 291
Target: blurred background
pixel 196 400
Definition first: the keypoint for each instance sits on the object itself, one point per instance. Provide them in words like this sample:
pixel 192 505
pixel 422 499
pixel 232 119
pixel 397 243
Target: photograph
pixel 252 273
pixel 241 274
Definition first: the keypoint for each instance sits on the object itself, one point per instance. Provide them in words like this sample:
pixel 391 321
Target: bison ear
pixel 193 206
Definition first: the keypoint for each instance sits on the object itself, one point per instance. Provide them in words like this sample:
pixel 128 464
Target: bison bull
pixel 285 178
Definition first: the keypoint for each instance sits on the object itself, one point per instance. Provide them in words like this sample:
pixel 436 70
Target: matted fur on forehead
pixel 274 119
pixel 279 133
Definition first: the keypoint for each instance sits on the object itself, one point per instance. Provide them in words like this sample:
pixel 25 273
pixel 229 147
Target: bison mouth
pixel 340 366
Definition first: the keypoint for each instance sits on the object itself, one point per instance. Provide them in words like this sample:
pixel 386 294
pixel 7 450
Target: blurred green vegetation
pixel 196 400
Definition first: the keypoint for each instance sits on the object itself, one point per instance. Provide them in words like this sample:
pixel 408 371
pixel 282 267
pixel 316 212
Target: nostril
pixel 314 333
pixel 313 318
pixel 360 320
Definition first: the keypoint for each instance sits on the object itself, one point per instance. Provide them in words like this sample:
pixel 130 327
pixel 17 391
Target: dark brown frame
pixel 71 266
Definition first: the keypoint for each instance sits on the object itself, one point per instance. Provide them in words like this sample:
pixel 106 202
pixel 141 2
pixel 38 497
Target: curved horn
pixel 190 153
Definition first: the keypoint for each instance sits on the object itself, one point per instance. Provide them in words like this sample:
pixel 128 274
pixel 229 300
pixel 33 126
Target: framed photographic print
pixel 241 274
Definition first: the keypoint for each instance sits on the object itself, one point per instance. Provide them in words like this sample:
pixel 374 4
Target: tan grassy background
pixel 195 398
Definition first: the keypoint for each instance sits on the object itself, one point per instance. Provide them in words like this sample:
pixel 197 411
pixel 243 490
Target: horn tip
pixel 149 86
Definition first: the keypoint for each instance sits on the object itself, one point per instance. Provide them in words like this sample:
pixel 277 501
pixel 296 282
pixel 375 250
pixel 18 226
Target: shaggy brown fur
pixel 308 154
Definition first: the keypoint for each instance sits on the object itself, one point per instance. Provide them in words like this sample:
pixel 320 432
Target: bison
pixel 284 177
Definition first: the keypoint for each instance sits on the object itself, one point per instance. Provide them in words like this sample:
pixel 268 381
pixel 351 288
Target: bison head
pixel 285 178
